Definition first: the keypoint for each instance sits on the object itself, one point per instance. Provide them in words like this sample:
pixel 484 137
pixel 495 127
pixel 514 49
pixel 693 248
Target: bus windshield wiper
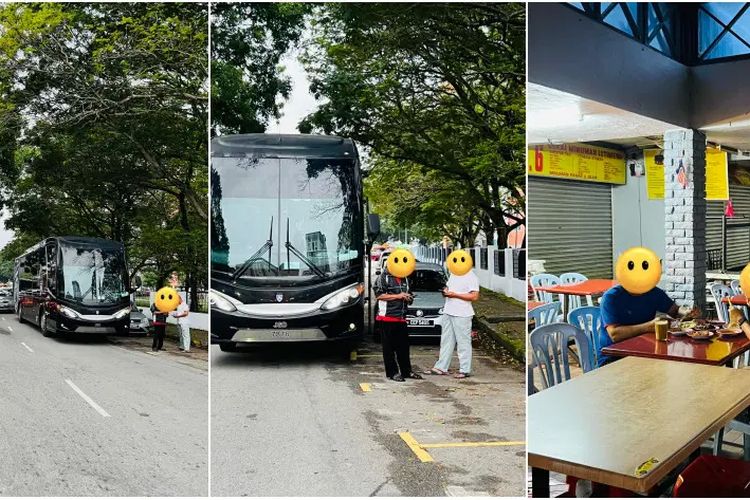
pixel 300 255
pixel 256 256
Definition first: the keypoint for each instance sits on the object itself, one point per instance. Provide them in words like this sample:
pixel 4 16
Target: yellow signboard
pixel 717 175
pixel 654 175
pixel 577 161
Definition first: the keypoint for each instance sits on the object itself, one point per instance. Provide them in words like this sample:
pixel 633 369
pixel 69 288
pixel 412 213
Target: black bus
pixel 287 239
pixel 73 284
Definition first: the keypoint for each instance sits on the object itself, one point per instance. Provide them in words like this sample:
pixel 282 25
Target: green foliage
pixel 109 108
pixel 439 89
pixel 248 42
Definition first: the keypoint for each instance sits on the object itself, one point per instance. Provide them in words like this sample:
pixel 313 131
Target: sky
pixel 300 103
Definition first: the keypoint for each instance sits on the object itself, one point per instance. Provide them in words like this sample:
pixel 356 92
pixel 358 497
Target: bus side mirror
pixel 373 226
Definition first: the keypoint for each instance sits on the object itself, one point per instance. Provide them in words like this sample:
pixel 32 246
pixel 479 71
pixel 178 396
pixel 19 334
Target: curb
pixel 518 352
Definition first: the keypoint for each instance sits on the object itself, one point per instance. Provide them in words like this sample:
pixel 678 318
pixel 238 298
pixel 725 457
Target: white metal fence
pixel 501 270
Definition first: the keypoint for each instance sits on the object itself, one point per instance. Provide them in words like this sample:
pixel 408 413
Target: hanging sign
pixel 577 162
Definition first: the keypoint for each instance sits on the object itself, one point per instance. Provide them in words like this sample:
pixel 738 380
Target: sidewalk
pixel 501 320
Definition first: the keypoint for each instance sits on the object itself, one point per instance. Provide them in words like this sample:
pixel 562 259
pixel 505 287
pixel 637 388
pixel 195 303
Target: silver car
pixel 6 300
pixel 424 314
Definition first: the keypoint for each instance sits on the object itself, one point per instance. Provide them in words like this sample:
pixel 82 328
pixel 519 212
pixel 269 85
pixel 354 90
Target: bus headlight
pixel 220 303
pixel 122 313
pixel 67 311
pixel 344 297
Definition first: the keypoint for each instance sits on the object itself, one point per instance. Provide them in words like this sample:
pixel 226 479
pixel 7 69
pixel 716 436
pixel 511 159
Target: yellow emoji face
pixel 401 263
pixel 638 270
pixel 459 262
pixel 167 299
pixel 745 280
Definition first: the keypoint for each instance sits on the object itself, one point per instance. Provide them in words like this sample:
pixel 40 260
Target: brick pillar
pixel 685 216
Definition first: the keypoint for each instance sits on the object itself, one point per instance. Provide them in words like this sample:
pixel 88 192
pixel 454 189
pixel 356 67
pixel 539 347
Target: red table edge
pixel 723 361
pixel 564 289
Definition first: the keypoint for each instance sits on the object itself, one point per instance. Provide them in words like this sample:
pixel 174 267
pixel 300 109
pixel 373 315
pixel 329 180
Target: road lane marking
pixel 365 387
pixel 87 399
pixel 420 450
pixel 10 329
pixel 27 347
pixel 415 447
pixel 480 443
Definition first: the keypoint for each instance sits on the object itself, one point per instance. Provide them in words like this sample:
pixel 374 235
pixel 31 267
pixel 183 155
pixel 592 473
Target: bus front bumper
pixel 323 326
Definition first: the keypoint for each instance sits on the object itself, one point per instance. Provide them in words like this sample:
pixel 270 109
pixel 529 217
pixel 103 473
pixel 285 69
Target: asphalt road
pixel 85 417
pixel 294 420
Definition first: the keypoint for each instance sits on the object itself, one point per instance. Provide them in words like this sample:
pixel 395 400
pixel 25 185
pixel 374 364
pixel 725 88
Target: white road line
pixel 10 329
pixel 4 318
pixel 87 399
pixel 27 347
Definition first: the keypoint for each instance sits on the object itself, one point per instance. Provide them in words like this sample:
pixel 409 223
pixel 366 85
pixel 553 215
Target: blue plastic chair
pixel 589 320
pixel 544 279
pixel 735 286
pixel 549 350
pixel 718 292
pixel 545 314
pixel 574 301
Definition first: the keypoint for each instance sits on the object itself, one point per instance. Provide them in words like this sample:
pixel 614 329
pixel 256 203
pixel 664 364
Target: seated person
pixel 626 315
pixel 737 320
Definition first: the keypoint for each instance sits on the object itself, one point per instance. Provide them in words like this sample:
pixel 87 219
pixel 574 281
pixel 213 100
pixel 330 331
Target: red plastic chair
pixel 714 477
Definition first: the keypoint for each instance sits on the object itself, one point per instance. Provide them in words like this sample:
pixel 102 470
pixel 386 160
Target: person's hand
pixel 735 315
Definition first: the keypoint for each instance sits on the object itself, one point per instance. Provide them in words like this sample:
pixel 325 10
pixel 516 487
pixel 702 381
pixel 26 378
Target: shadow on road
pixel 302 353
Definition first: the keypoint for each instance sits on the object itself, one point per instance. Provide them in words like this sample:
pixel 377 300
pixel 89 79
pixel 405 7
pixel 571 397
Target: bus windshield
pixel 285 218
pixel 92 276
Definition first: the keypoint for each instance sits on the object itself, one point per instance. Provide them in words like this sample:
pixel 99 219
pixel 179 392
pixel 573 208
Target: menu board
pixel 577 161
pixel 654 175
pixel 717 175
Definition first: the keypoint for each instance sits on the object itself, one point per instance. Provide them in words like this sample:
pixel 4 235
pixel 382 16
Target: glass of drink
pixel 660 327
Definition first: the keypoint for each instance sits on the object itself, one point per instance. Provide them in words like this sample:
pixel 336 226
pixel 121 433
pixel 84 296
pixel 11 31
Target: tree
pixel 248 41
pixel 435 86
pixel 111 109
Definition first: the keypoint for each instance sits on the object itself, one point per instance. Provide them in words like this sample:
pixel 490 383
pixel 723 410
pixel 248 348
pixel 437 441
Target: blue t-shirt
pixel 620 307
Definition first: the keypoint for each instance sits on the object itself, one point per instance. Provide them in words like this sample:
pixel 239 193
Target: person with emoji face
pixel 631 308
pixel 461 290
pixel 393 299
pixel 736 316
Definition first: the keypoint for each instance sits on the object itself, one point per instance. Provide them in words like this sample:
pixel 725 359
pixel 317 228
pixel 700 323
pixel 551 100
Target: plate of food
pixel 703 334
pixel 729 332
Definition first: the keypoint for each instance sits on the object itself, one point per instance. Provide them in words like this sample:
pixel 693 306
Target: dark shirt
pixel 391 310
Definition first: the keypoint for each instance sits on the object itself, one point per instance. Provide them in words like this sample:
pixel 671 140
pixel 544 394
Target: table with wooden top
pixel 715 351
pixel 592 287
pixel 603 425
pixel 533 304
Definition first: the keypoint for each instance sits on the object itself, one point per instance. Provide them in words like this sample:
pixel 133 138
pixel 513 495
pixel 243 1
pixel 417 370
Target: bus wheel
pixel 228 347
pixel 43 325
pixel 19 314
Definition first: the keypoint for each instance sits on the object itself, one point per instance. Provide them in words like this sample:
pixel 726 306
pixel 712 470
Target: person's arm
pixel 469 297
pixel 619 333
pixel 387 297
pixel 736 317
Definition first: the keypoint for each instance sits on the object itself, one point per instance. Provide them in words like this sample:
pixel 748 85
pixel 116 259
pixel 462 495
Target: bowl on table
pixel 729 333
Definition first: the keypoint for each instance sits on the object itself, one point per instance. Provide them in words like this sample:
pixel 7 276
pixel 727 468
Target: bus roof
pixel 281 145
pixel 76 240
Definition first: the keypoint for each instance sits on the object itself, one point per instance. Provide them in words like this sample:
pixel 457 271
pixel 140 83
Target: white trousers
pixel 456 333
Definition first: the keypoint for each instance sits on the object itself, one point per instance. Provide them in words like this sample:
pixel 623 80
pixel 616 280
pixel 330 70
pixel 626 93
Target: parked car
pixel 139 323
pixel 423 315
pixel 6 300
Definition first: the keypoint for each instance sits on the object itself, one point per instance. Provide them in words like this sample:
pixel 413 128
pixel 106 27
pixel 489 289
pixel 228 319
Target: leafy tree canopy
pixel 438 88
pixel 106 109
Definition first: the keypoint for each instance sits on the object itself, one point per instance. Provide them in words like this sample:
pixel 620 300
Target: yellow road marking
pixel 481 443
pixel 415 447
pixel 365 387
pixel 420 450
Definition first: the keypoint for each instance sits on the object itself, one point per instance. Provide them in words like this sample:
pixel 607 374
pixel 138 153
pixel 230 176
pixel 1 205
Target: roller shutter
pixel 570 226
pixel 738 229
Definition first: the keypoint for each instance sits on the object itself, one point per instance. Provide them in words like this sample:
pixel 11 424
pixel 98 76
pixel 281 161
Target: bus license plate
pixel 421 322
